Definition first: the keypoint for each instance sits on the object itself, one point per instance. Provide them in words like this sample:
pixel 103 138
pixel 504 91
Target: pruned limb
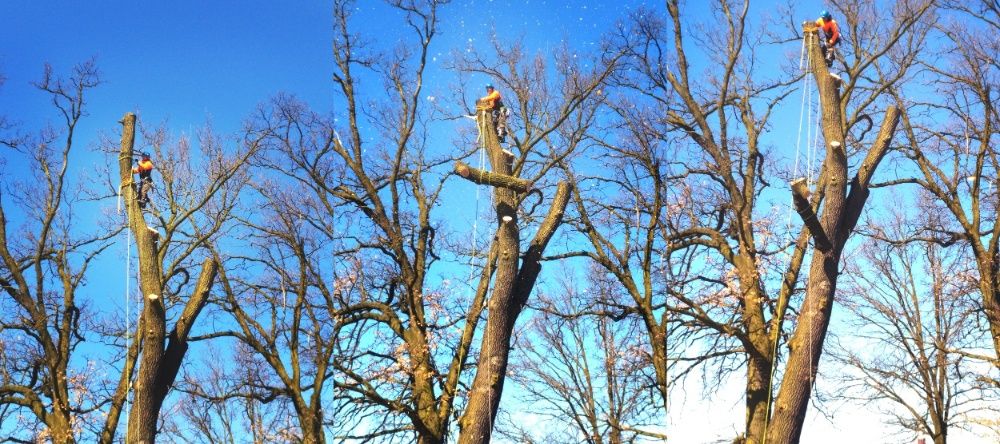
pixel 531 265
pixel 178 341
pixel 858 195
pixel 879 148
pixel 482 177
pixel 800 196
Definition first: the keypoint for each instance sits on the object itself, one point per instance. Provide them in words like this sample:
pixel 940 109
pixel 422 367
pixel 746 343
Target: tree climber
pixel 494 103
pixel 145 171
pixel 832 34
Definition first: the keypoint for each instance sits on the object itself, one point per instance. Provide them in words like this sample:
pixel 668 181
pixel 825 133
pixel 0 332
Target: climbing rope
pixel 806 116
pixel 481 141
pixel 666 345
pixel 128 303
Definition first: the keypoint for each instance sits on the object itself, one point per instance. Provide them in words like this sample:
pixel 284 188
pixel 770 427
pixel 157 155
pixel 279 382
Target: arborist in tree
pixel 494 103
pixel 145 185
pixel 832 34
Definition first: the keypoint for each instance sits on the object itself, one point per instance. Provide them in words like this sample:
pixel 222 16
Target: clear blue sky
pixel 187 61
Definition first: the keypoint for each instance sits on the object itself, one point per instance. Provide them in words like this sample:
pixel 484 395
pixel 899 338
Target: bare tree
pixel 224 402
pixel 358 190
pixel 192 209
pixel 953 141
pixel 286 298
pixel 913 309
pixel 44 260
pixel 343 244
pixel 690 169
pixel 584 371
pixel 552 128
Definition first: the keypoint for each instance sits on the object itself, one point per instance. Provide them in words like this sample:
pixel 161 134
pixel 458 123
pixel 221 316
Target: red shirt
pixel 145 166
pixel 831 30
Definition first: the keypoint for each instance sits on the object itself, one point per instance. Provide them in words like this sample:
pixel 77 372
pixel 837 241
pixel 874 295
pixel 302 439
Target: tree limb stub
pixel 879 148
pixel 858 195
pixel 800 196
pixel 483 177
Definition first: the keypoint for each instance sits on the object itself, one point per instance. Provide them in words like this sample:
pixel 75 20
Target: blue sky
pixel 187 61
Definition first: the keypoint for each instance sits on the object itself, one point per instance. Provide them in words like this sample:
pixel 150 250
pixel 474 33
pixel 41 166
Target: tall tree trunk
pixel 511 287
pixel 60 425
pixel 484 397
pixel 759 346
pixel 757 395
pixel 145 408
pixel 840 214
pixel 989 267
pixel 158 364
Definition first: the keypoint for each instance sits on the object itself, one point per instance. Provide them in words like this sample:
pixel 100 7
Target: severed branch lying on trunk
pixel 800 197
pixel 483 177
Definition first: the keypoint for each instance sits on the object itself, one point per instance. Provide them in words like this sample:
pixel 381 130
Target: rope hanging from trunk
pixel 481 142
pixel 128 303
pixel 806 111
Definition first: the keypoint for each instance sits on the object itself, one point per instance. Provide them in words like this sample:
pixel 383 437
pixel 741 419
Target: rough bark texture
pixel 837 220
pixel 511 288
pixel 487 178
pixel 158 365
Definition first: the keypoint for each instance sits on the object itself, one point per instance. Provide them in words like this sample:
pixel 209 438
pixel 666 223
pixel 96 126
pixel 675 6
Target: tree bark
pixel 158 365
pixel 481 177
pixel 839 217
pixel 511 288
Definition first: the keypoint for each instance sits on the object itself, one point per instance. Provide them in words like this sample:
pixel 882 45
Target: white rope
pixel 809 141
pixel 814 146
pixel 813 179
pixel 802 52
pixel 128 315
pixel 806 92
pixel 806 110
pixel 481 141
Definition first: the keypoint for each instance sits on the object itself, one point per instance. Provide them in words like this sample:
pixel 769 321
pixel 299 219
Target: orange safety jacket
pixel 831 30
pixel 492 100
pixel 144 168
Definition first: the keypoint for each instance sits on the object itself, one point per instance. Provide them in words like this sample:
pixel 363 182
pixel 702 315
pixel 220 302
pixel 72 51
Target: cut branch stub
pixel 483 177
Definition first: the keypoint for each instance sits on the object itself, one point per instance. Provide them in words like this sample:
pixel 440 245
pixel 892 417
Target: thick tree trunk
pixel 145 407
pixel 60 428
pixel 991 298
pixel 430 428
pixel 839 216
pixel 758 343
pixel 484 397
pixel 757 396
pixel 511 288
pixel 312 428
pixel 120 396
pixel 158 364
